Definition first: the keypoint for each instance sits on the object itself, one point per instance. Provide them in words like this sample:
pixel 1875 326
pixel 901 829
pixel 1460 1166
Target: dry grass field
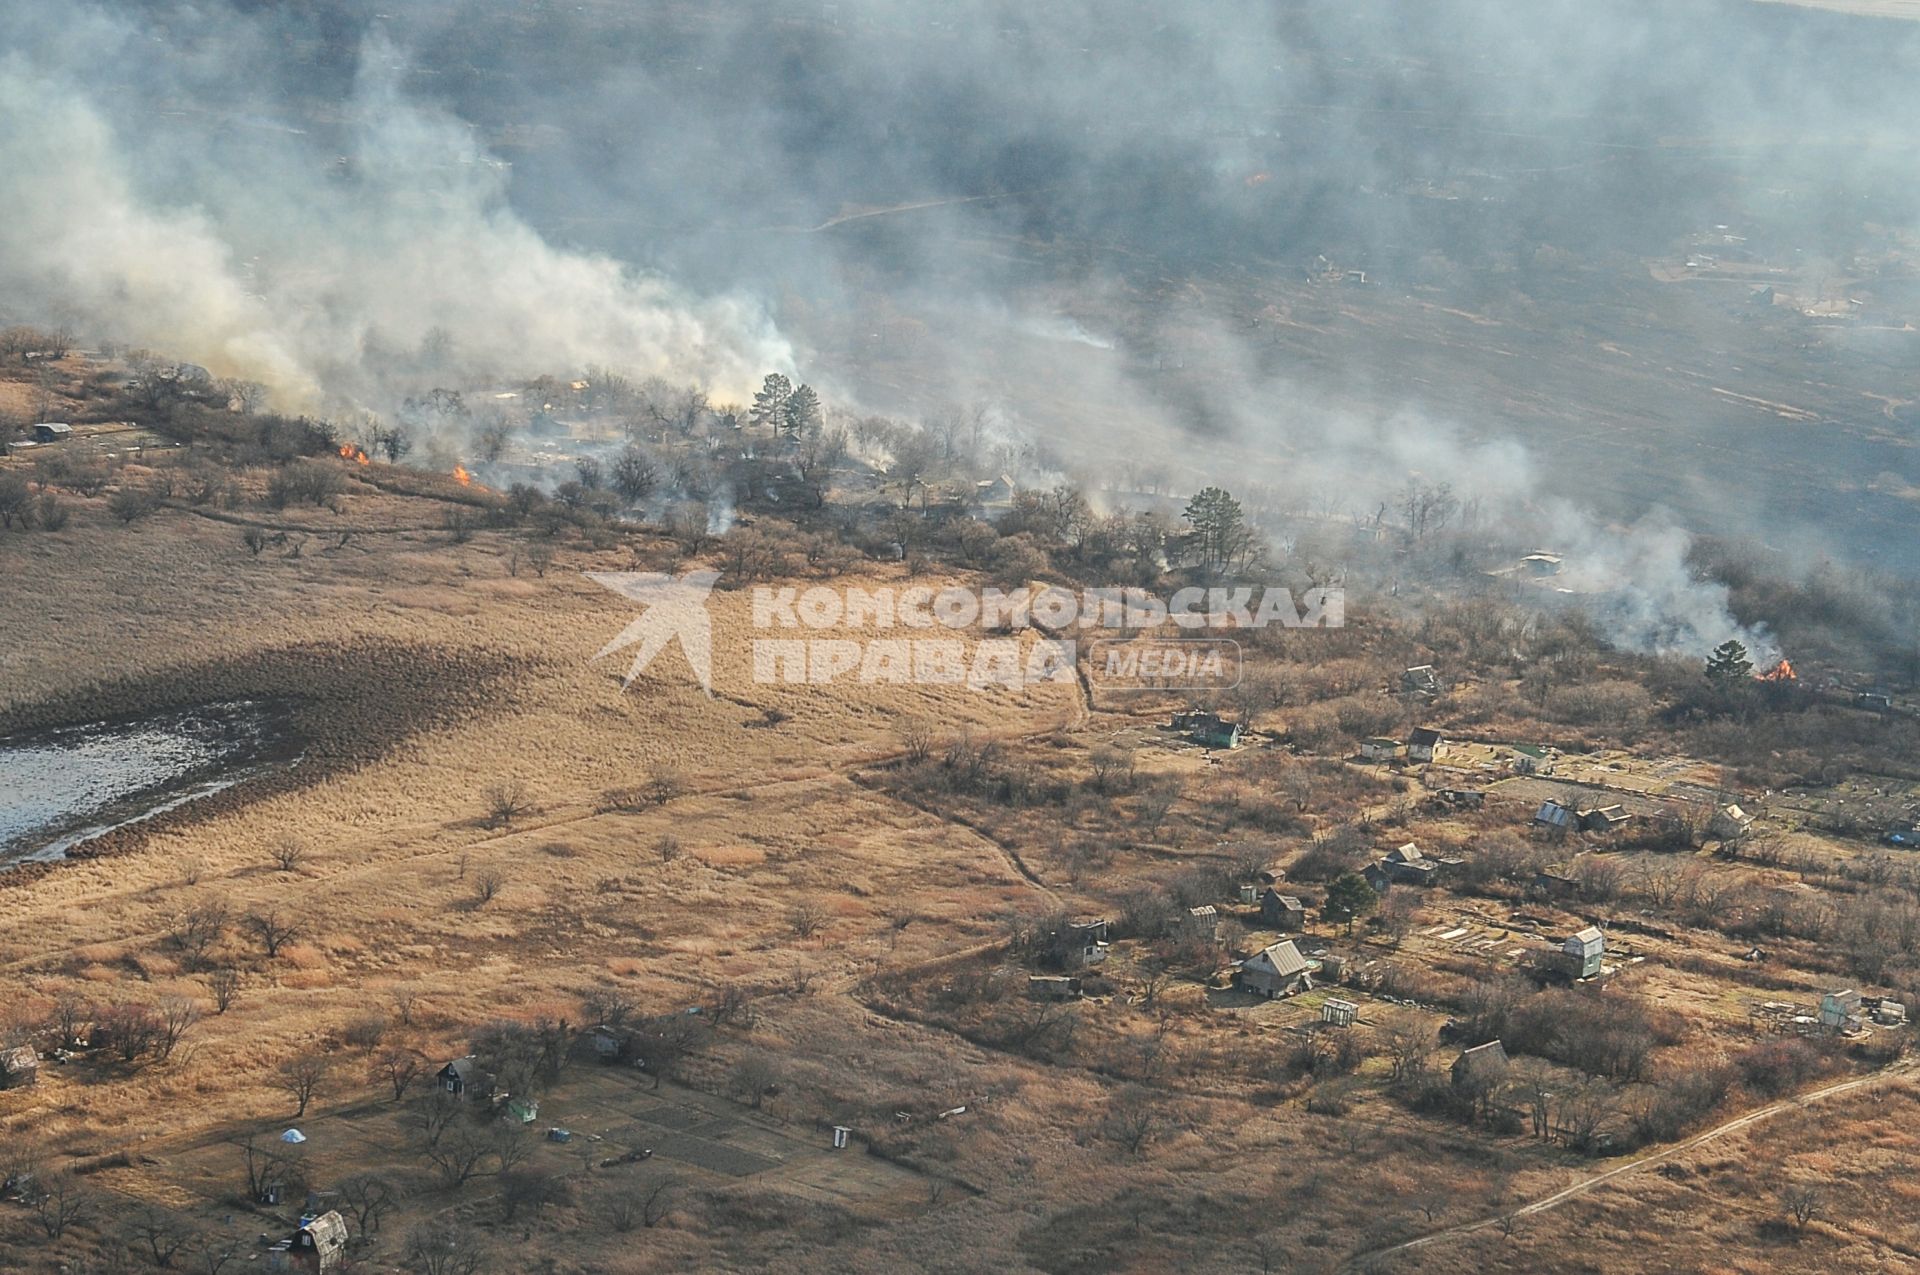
pixel 841 887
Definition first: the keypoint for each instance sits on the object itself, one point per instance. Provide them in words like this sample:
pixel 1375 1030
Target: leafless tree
pixel 487 883
pixel 60 1201
pixel 224 985
pixel 302 1077
pixel 177 1015
pixel 507 800
pixel 446 1247
pixel 805 920
pixel 1803 1202
pixel 274 928
pixel 398 1067
pixel 664 783
pixel 1134 1118
pixel 368 1196
pixel 288 854
pixel 405 1001
pixel 161 1233
pixel 916 739
pixel 754 1076
pixel 196 927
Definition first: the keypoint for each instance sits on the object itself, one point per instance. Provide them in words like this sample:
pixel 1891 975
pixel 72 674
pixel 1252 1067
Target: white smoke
pixel 292 274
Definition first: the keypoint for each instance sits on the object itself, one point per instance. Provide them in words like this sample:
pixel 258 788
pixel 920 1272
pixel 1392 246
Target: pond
pixel 62 787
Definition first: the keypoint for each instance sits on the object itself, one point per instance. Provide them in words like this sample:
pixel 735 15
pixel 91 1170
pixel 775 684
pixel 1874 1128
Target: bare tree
pixel 805 920
pixel 753 1078
pixel 398 1067
pixel 60 1201
pixel 487 884
pixel 302 1077
pixel 664 783
pixel 446 1247
pixel 177 1015
pixel 507 800
pixel 196 927
pixel 274 928
pixel 288 854
pixel 1134 1118
pixel 405 1001
pixel 368 1196
pixel 160 1232
pixel 1803 1202
pixel 224 985
pixel 646 1205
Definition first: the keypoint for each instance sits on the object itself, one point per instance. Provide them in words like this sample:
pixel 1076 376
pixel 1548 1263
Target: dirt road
pixel 1361 1261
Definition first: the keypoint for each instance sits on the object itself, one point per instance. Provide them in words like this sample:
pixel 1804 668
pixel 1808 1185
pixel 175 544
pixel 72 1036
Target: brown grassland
pixel 854 907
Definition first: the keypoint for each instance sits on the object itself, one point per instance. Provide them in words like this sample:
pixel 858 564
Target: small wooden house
pixel 1277 971
pixel 1053 987
pixel 319 1246
pixel 1338 1013
pixel 1378 749
pixel 1426 745
pixel 1283 912
pixel 462 1080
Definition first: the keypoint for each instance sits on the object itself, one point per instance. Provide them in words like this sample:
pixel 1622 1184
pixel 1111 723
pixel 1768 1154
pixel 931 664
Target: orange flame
pixel 349 452
pixel 1781 672
pixel 461 476
pixel 361 458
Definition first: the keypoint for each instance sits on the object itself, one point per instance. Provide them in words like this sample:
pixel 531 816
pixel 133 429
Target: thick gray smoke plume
pixel 1079 214
pixel 311 272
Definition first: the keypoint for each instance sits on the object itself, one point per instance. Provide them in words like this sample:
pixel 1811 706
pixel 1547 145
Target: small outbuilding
pixel 1380 749
pixel 1426 745
pixel 19 1067
pixel 1481 1068
pixel 1200 925
pixel 1277 971
pixel 52 432
pixel 1730 823
pixel 1582 953
pixel 1283 912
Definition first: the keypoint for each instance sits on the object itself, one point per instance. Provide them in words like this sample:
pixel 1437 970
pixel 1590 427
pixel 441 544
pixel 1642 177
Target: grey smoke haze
pixel 351 200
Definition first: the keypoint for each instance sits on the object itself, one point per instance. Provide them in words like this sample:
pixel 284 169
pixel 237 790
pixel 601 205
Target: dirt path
pixel 1582 1187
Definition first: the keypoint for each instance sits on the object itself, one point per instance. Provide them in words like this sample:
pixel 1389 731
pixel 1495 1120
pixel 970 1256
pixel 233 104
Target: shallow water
pixel 61 787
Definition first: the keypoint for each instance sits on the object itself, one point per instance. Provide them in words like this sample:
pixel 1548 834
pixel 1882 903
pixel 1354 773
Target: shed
pixel 1556 817
pixel 1426 744
pixel 321 1243
pixel 1053 987
pixel 1730 822
pixel 1406 865
pixel 1201 924
pixel 1279 970
pixel 1338 1013
pixel 1282 911
pixel 1583 952
pixel 458 1077
pixel 52 432
pixel 1422 679
pixel 1380 749
pixel 1604 818
pixel 1480 1068
pixel 1840 1010
pixel 1086 942
pixel 19 1067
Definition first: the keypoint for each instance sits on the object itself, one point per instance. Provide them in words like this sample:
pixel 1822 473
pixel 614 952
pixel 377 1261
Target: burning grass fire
pixel 352 453
pixel 1781 672
pixel 461 476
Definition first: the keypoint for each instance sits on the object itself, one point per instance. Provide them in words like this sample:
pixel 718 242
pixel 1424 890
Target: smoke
pixel 332 278
pixel 1134 231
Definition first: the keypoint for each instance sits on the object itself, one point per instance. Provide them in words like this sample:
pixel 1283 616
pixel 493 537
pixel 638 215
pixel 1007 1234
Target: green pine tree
pixel 1729 665
pixel 1349 898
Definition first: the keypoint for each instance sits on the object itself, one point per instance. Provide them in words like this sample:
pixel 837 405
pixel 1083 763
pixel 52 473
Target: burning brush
pixel 1781 672
pixel 349 452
